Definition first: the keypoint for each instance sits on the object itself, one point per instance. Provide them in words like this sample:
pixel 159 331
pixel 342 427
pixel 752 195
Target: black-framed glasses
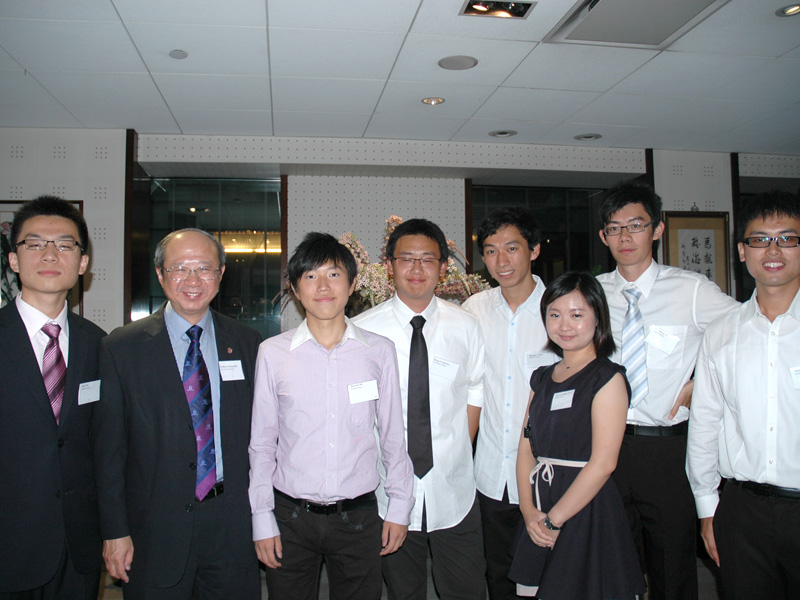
pixel 637 227
pixel 37 245
pixel 183 273
pixel 763 241
pixel 408 261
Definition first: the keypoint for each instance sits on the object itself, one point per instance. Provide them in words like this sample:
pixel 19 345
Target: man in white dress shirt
pixel 673 309
pixel 441 417
pixel 515 339
pixel 745 424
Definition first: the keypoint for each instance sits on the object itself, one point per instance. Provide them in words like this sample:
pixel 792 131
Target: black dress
pixel 594 556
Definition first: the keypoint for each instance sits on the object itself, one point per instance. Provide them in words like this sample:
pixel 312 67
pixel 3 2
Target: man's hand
pixel 118 556
pixel 707 533
pixel 684 398
pixel 269 551
pixel 393 537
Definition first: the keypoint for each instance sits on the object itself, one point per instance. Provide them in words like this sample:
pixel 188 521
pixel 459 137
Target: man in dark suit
pixel 171 435
pixel 49 532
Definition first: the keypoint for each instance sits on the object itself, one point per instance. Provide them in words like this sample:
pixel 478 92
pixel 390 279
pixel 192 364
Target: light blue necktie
pixel 634 357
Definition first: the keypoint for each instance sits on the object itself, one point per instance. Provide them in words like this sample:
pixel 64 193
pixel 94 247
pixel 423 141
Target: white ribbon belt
pixel 544 466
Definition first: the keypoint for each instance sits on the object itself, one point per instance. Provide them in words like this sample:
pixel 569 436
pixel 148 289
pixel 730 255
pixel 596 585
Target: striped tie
pixel 54 371
pixel 633 350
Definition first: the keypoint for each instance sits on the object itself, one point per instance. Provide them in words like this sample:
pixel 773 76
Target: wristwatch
pixel 549 524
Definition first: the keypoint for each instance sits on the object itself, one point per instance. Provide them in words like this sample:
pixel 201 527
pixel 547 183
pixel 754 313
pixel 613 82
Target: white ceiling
pixel 359 68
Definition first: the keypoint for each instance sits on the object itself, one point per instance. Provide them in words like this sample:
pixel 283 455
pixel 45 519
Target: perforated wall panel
pixel 768 165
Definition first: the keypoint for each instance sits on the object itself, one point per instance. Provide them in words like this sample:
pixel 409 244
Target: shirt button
pixel 773 333
pixel 508 404
pixel 331 444
pixel 770 461
pixel 772 429
pixel 192 466
pixel 188 508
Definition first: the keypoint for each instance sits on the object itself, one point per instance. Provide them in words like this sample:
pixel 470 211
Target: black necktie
pixel 420 446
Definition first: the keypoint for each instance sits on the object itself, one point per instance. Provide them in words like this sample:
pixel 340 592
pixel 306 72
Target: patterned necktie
pixel 197 386
pixel 54 371
pixel 420 446
pixel 633 350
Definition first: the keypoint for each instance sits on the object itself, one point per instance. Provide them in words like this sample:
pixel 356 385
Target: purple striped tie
pixel 197 386
pixel 54 371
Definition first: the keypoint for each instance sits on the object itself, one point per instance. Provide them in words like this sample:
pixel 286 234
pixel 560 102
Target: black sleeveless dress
pixel 594 556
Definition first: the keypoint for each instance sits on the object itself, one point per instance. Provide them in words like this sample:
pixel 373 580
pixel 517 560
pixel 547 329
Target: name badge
pixel 89 392
pixel 662 340
pixel 231 370
pixel 562 400
pixel 795 371
pixel 363 392
pixel 444 368
pixel 535 359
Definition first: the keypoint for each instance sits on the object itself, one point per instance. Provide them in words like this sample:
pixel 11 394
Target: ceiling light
pixel 433 101
pixel 458 63
pixel 178 54
pixel 481 6
pixel 588 137
pixel 503 133
pixel 192 209
pixel 788 11
pixel 516 10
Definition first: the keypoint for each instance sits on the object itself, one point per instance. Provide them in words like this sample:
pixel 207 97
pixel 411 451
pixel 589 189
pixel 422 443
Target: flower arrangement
pixel 373 284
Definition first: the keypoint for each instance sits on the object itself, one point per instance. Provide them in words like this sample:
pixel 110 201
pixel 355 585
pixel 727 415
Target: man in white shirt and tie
pixel 658 316
pixel 441 406
pixel 745 424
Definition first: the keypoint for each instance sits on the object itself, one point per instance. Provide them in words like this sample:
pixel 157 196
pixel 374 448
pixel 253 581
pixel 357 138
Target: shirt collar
pixel 303 334
pixel 404 314
pixel 531 303
pixel 178 326
pixel 755 310
pixel 644 283
pixel 34 319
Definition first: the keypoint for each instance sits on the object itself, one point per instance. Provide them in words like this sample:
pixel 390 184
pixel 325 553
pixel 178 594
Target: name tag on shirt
pixel 534 359
pixel 231 370
pixel 89 392
pixel 444 368
pixel 795 371
pixel 562 400
pixel 363 392
pixel 662 340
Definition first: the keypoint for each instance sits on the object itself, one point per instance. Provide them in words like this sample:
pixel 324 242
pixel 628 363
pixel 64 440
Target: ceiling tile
pixel 194 12
pixel 534 105
pixel 666 139
pixel 477 130
pixel 214 92
pixel 314 124
pixel 717 116
pixel 628 109
pixel 21 88
pixel 775 81
pixel 36 115
pixel 412 128
pixel 7 63
pixel 96 89
pixel 353 15
pixel 224 122
pixel 74 10
pixel 144 119
pixel 564 135
pixel 405 98
pixel 757 142
pixel 326 95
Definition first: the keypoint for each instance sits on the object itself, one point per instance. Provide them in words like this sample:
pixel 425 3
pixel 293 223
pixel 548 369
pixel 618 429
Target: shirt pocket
pixel 661 354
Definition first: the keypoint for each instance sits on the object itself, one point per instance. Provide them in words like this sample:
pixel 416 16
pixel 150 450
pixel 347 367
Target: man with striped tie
pixel 658 316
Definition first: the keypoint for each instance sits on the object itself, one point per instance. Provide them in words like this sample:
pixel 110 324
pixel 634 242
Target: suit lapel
pixel 77 357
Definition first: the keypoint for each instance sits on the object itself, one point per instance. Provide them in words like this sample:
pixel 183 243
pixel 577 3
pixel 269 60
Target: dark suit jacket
pixel 146 450
pixel 47 483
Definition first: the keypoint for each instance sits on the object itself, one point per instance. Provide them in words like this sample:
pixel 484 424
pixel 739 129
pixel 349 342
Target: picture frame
pixel 699 241
pixel 9 282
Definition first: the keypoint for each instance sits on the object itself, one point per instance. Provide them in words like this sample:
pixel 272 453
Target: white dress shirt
pixel 514 344
pixel 676 307
pixel 34 320
pixel 745 421
pixel 455 357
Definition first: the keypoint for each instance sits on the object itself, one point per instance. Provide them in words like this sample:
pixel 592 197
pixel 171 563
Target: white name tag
pixel 231 370
pixel 363 392
pixel 444 368
pixel 536 359
pixel 795 371
pixel 89 392
pixel 662 340
pixel 562 400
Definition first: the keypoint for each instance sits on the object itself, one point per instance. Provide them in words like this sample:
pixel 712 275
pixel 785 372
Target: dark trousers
pixel 349 542
pixel 210 572
pixel 457 562
pixel 66 584
pixel 758 539
pixel 651 477
pixel 500 521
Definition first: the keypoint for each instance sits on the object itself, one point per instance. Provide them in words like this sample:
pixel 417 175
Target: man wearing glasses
pixel 658 316
pixel 440 355
pixel 48 507
pixel 171 433
pixel 745 424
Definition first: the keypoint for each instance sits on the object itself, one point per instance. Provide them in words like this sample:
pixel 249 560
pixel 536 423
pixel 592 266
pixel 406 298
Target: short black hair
pixel 50 206
pixel 519 217
pixel 764 206
pixel 418 227
pixel 317 249
pixel 592 291
pixel 633 191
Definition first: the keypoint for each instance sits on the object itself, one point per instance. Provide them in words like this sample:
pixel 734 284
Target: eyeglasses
pixel 763 241
pixel 407 261
pixel 637 227
pixel 36 245
pixel 182 273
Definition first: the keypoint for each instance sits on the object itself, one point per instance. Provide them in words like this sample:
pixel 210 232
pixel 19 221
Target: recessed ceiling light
pixel 503 133
pixel 458 63
pixel 433 101
pixel 788 11
pixel 587 137
pixel 178 54
pixel 192 209
pixel 514 10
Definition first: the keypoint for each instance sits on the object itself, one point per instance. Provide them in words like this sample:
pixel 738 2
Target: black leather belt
pixel 767 489
pixel 365 501
pixel 214 491
pixel 679 429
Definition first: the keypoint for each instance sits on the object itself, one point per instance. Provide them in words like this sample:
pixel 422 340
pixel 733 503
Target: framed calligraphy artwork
pixel 699 241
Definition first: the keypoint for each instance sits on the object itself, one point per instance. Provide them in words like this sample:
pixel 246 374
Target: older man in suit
pixel 49 532
pixel 171 435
